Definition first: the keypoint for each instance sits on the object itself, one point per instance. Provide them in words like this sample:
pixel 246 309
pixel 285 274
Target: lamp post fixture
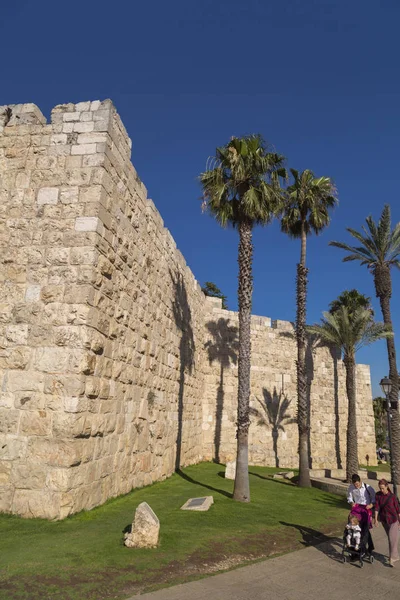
pixel 386 386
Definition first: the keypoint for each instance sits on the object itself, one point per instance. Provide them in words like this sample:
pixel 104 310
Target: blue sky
pixel 318 78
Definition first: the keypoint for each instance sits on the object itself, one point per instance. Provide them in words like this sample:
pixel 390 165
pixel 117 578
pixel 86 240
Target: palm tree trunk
pixel 352 445
pixel 302 403
pixel 383 286
pixel 241 490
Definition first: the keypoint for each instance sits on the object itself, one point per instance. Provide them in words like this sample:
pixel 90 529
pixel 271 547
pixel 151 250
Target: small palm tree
pixel 352 300
pixel 379 250
pixel 350 331
pixel 309 200
pixel 241 188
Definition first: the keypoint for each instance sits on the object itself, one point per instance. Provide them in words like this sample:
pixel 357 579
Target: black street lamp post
pixel 386 386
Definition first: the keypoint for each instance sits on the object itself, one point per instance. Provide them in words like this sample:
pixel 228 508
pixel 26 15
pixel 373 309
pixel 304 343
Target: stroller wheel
pixel 371 559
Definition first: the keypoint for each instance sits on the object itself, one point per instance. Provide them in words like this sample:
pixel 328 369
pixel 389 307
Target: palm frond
pixel 349 331
pixel 307 204
pixel 380 245
pixel 242 182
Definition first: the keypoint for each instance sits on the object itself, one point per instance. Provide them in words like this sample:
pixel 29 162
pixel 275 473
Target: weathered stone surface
pixel 283 475
pixel 145 529
pixel 109 351
pixel 230 469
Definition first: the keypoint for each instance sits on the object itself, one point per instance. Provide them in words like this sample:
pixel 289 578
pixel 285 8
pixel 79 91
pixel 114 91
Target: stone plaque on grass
pixel 283 475
pixel 202 504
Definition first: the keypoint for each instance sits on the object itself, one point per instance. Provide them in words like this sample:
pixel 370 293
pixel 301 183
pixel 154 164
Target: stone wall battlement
pixel 108 377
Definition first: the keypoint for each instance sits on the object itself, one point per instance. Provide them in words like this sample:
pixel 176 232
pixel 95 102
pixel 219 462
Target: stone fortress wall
pixel 273 438
pixel 111 358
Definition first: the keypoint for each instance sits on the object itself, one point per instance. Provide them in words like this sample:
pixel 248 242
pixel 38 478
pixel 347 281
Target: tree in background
pixel 306 211
pixel 210 289
pixel 350 331
pixel 241 188
pixel 380 416
pixel 352 300
pixel 379 250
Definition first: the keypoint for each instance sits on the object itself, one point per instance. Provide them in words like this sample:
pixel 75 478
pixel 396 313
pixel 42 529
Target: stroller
pixel 366 546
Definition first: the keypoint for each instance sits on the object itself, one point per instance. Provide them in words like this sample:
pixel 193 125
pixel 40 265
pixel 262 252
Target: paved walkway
pixel 314 573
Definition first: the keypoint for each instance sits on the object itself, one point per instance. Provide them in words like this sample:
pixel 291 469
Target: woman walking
pixel 387 510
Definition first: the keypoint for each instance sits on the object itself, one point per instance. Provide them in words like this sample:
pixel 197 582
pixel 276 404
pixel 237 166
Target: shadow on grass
pixel 209 487
pixel 328 545
pixel 337 501
pixel 291 481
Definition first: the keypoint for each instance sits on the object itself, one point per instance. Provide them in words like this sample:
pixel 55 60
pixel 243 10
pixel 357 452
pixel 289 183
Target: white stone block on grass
pixel 145 529
pixel 230 470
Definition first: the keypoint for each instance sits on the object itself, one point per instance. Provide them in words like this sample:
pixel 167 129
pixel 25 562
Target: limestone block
pixel 55 452
pixel 35 422
pixel 51 360
pixel 145 529
pixel 6 496
pixel 230 471
pixel 8 420
pixel 69 195
pixel 83 149
pixel 30 382
pixel 17 358
pixel 69 425
pixel 12 447
pixel 28 475
pixel 32 293
pixel 33 503
pixel 48 195
pixel 5 470
pixel 87 224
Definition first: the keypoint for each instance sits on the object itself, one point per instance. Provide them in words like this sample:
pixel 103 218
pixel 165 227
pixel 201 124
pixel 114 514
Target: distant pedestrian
pixel 387 511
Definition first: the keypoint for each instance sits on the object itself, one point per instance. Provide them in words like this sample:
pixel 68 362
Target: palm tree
pixel 351 299
pixel 241 188
pixel 379 250
pixel 350 331
pixel 380 416
pixel 309 200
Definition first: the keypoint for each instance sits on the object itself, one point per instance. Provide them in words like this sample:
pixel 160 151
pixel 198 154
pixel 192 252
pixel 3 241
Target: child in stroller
pixel 357 540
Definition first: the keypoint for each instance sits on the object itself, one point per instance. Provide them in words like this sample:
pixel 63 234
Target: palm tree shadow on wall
pixel 223 348
pixel 335 353
pixel 273 412
pixel 183 321
pixel 312 344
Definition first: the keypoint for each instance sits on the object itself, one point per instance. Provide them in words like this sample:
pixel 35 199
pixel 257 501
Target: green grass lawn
pixel 83 557
pixel 382 468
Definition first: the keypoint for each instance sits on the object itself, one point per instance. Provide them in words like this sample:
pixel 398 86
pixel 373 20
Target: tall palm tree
pixel 309 200
pixel 379 250
pixel 350 331
pixel 241 188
